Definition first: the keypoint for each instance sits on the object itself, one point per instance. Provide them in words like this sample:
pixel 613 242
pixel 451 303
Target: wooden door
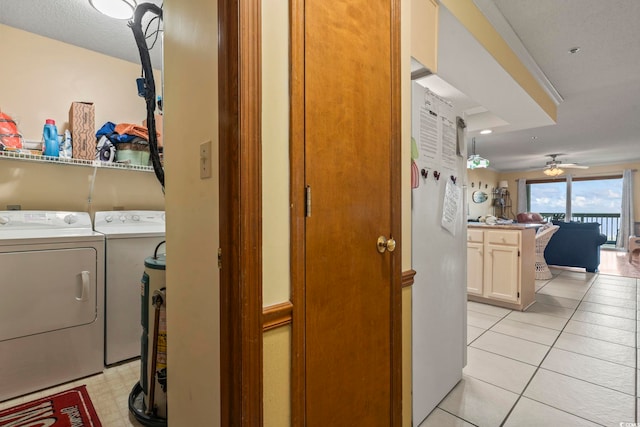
pixel 351 147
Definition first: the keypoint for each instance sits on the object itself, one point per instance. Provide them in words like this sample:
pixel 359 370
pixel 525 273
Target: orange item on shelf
pixel 9 135
pixel 133 129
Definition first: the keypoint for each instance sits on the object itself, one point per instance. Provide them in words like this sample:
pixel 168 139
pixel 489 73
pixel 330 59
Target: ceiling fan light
pixel 553 172
pixel 118 9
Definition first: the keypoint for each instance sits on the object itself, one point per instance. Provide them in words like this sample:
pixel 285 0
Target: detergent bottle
pixel 50 145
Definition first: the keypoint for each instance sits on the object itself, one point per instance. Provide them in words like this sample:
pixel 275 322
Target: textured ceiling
pixel 598 120
pixel 76 22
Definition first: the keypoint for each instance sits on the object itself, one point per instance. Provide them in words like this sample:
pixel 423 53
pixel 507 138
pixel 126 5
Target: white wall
pixel 31 93
pixel 193 285
pixel 483 180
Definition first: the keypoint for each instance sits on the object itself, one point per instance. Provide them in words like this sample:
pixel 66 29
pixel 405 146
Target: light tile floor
pixel 109 393
pixel 570 360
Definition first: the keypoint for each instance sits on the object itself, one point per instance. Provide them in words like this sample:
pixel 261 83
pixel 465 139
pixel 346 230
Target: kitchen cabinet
pixel 424 33
pixel 501 265
pixel 475 262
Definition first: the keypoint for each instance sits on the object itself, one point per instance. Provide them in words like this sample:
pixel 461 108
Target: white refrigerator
pixel 439 254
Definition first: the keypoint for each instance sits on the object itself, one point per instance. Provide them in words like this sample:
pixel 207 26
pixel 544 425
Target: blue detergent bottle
pixel 50 135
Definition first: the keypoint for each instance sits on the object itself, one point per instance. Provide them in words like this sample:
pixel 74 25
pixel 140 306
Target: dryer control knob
pixel 123 218
pixel 4 220
pixel 70 219
pixel 108 218
pixel 135 218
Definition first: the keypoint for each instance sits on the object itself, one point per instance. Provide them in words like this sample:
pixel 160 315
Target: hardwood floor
pixel 613 262
pixel 617 263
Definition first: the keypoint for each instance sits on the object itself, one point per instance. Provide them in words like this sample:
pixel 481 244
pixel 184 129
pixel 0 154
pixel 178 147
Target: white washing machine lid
pixel 130 234
pixel 129 224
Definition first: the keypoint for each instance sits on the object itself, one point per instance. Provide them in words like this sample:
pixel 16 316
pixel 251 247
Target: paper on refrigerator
pixel 451 207
pixel 437 132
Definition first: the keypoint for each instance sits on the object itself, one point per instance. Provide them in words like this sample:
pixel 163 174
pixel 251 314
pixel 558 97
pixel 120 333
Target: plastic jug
pixel 50 136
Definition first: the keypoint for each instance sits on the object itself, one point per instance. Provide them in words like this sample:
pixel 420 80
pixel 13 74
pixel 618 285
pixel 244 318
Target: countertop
pixel 513 226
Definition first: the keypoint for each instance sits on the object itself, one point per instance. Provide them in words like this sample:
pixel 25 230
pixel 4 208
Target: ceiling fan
pixel 555 167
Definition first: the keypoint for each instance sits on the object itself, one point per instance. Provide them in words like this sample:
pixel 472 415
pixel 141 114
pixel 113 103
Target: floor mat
pixel 70 408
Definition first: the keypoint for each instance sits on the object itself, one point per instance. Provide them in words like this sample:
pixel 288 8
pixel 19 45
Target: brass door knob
pixel 385 244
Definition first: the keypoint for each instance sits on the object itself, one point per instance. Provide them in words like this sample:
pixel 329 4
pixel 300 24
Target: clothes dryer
pixel 130 237
pixel 51 300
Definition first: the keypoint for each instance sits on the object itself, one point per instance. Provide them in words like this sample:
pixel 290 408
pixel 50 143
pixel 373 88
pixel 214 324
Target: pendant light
pixel 118 9
pixel 475 161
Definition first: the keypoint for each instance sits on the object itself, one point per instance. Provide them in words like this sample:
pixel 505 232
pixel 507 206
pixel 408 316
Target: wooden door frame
pixel 297 194
pixel 240 186
pixel 297 197
pixel 240 176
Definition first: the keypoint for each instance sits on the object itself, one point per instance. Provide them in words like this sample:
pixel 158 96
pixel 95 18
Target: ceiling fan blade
pixel 572 166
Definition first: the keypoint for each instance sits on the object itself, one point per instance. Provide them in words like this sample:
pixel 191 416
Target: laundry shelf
pixel 75 162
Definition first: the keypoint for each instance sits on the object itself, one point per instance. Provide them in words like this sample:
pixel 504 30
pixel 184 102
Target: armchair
pixel 542 240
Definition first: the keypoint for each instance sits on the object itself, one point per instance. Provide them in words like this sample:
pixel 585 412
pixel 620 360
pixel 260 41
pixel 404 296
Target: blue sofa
pixel 575 244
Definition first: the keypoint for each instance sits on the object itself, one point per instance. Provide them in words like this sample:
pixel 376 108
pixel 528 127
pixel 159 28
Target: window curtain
pixel 568 213
pixel 626 213
pixel 522 195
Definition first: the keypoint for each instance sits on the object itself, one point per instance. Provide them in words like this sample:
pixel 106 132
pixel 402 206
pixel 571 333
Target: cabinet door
pixel 475 268
pixel 502 272
pixel 424 33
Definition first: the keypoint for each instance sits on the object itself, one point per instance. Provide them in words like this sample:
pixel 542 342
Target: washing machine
pixel 130 237
pixel 51 300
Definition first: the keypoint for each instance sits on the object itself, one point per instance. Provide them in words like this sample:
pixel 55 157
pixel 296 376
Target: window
pixel 592 200
pixel 547 198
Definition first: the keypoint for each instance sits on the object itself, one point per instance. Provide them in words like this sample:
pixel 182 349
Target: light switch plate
pixel 205 160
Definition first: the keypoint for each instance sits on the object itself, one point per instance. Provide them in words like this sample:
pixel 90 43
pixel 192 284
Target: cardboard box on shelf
pixel 82 124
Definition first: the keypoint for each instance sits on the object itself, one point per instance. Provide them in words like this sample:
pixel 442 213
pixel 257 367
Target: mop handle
pixel 156 325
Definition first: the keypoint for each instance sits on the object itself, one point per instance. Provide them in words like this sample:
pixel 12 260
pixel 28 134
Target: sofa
pixel 575 244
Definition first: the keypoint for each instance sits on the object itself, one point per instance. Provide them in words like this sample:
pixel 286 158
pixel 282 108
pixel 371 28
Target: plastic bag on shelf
pixel 10 138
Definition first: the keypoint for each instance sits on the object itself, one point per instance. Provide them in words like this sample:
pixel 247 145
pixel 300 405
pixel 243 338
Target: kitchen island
pixel 501 264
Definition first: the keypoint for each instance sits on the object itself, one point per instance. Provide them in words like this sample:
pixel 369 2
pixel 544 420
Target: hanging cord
pixel 149 83
pixel 155 252
pixel 154 34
